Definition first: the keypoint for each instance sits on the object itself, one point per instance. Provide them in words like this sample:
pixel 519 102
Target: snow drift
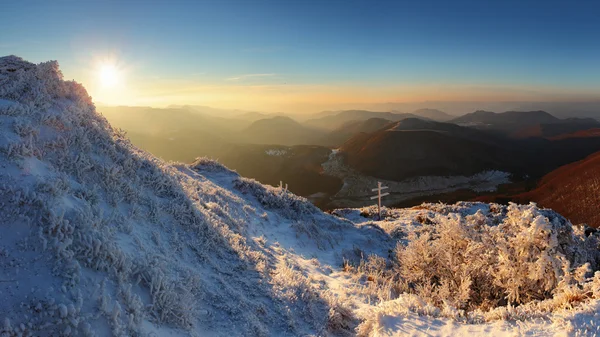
pixel 99 238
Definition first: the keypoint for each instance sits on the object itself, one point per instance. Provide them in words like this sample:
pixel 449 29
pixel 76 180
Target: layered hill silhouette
pixel 170 120
pixel 178 134
pixel 332 121
pixel 508 118
pixel 524 124
pixel 433 114
pixel 414 147
pixel 252 116
pixel 352 128
pixel 279 130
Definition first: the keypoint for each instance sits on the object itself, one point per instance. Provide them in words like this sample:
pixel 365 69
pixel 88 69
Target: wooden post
pixel 379 199
pixel 378 196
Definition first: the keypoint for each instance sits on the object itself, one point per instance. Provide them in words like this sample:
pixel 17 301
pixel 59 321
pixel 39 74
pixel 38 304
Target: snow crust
pixel 100 238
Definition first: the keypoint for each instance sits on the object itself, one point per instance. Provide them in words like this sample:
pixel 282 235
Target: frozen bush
pixel 210 165
pixel 472 263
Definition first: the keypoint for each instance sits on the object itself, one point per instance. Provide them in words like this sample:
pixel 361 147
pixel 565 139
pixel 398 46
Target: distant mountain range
pixel 207 110
pixel 337 120
pixel 352 128
pixel 279 130
pixel 330 128
pixel 433 114
pixel 524 124
pixel 561 109
pixel 512 118
pixel 154 120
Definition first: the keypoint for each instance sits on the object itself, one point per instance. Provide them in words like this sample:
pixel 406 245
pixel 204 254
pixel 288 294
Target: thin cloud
pixel 249 76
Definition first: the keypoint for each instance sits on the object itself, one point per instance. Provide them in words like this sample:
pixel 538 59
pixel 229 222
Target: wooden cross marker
pixel 378 196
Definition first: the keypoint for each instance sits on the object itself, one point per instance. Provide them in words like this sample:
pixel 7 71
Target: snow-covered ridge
pixel 129 244
pixel 100 238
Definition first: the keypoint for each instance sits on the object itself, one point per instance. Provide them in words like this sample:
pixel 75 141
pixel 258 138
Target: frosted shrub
pixel 341 321
pixel 472 263
pixel 210 165
pixel 371 212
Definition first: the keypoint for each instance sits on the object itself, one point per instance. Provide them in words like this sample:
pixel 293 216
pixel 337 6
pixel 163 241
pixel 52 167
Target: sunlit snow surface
pixel 100 238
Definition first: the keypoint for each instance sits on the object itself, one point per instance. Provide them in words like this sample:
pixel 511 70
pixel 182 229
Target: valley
pixel 356 189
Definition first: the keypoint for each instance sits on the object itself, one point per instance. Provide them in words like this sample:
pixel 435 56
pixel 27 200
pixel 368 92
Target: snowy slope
pixel 99 238
pixel 129 244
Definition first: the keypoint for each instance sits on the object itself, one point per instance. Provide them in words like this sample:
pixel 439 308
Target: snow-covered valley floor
pixel 99 238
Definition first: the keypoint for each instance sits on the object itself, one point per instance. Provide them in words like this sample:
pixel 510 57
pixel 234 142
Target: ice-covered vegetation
pixel 99 238
pixel 477 262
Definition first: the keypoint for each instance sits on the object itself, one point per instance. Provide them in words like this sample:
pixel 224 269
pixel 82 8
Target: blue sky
pixel 396 46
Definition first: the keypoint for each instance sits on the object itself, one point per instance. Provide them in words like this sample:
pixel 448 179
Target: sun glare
pixel 109 75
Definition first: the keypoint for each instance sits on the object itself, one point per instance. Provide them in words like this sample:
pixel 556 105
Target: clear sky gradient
pixel 295 55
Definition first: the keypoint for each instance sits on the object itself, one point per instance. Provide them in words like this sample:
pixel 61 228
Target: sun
pixel 109 75
pixel 109 78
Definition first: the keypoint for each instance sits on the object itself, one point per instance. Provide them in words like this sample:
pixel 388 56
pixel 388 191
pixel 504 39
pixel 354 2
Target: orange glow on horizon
pixel 111 82
pixel 312 98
